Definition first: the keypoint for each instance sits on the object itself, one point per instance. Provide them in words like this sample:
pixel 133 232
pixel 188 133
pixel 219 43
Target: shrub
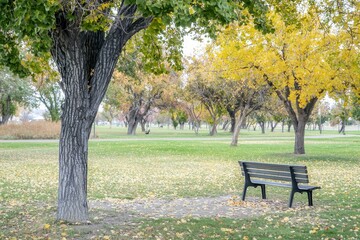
pixel 30 130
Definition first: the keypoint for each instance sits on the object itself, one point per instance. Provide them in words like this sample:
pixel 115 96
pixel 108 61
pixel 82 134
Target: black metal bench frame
pixel 294 176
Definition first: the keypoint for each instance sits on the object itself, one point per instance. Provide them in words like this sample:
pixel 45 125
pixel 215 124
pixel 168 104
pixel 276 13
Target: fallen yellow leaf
pixel 229 230
pixel 47 226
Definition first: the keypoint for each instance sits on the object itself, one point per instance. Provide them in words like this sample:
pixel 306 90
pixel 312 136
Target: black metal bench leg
pixel 310 200
pixel 291 198
pixel 244 192
pixel 263 191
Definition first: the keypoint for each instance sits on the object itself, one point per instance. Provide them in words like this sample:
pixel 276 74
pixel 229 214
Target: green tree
pixel 182 118
pixel 13 92
pixel 51 96
pixel 85 39
pixel 178 117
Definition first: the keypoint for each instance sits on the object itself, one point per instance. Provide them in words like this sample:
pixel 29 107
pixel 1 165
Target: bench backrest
pixel 280 172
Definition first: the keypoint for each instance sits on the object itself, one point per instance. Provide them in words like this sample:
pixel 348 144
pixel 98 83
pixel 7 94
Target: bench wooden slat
pixel 301 178
pixel 276 167
pixel 278 178
pixel 274 171
pixel 277 173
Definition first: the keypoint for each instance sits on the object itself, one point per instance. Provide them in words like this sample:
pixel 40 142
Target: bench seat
pixel 288 185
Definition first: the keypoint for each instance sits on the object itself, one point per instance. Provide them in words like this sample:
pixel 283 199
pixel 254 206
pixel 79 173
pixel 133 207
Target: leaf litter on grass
pixel 197 207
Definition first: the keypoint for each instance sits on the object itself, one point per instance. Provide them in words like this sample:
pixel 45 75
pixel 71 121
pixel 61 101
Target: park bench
pixel 290 176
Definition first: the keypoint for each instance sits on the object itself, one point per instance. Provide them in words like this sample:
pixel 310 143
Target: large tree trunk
pixel 73 155
pixel 86 61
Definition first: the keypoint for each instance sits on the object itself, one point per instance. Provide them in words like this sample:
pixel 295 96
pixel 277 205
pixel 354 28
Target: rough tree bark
pixel 86 61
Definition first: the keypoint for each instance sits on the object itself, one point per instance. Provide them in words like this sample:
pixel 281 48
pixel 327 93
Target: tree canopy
pixel 27 34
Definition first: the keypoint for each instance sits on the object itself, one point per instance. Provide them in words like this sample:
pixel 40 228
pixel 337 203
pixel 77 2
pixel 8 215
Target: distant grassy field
pixel 105 132
pixel 171 165
pixel 49 130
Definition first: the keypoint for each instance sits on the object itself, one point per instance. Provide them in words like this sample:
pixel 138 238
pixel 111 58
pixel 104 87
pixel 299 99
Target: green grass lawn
pixel 136 167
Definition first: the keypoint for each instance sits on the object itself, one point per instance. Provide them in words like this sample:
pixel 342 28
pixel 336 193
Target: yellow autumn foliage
pixel 299 59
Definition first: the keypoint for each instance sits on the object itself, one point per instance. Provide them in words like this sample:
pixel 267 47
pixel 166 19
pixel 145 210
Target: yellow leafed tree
pixel 233 59
pixel 296 61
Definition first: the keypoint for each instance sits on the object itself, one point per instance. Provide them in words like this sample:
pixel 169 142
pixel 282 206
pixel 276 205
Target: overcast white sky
pixel 193 47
